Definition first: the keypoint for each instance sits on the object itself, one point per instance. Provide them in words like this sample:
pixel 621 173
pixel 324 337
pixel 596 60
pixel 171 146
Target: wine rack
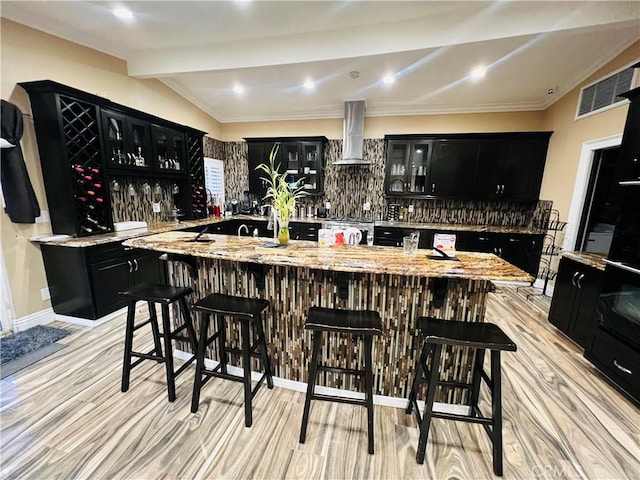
pixel 196 176
pixel 81 137
pixel 546 271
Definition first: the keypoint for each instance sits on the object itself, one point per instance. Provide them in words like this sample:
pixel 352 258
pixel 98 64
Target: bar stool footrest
pixel 332 398
pixel 349 371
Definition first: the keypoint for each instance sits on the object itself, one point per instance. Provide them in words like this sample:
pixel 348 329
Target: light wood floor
pixel 66 418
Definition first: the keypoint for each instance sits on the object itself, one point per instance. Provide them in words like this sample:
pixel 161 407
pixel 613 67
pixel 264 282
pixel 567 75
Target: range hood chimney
pixel 353 136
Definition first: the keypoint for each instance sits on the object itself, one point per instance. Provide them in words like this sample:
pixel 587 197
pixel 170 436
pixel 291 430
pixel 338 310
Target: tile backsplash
pixel 138 207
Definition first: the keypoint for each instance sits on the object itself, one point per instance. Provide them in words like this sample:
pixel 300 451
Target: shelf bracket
pixel 259 273
pixel 439 287
pixel 189 261
pixel 341 280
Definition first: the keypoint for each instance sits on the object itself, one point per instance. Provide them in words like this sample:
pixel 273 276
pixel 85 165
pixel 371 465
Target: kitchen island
pixel 293 278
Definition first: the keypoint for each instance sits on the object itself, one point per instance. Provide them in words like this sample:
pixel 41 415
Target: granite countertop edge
pixel 344 258
pixel 161 227
pixel 594 260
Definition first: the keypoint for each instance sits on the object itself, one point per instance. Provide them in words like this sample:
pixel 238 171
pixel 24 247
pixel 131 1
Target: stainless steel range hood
pixel 353 136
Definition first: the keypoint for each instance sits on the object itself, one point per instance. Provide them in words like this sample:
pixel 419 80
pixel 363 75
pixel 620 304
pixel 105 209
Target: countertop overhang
pixel 341 258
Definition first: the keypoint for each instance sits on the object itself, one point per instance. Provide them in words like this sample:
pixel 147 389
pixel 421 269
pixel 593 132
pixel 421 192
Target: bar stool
pixel 364 322
pixel 481 337
pixel 165 295
pixel 248 312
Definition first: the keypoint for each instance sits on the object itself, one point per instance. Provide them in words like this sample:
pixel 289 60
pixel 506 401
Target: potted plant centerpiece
pixel 283 195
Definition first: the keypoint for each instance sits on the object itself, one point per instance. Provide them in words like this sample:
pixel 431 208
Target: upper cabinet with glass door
pixel 126 141
pixel 169 150
pixel 407 167
pixel 311 167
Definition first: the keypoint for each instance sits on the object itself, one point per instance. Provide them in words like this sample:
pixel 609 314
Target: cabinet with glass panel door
pixel 407 167
pixel 169 150
pixel 126 141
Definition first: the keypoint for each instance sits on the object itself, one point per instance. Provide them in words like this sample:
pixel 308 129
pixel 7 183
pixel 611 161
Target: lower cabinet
pixel 520 249
pixel 84 282
pixel 617 361
pixel 304 231
pixel 574 300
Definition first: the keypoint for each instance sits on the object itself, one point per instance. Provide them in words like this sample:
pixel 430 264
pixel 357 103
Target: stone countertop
pixel 343 258
pixel 595 260
pixel 161 227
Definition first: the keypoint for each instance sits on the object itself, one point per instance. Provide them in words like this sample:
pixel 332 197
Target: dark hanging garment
pixel 19 197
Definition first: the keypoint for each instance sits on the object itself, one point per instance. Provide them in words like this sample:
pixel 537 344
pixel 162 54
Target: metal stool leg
pixel 202 345
pixel 428 406
pixel 128 347
pixel 168 350
pixel 313 370
pixel 246 366
pixel 264 354
pixel 496 410
pixel 368 382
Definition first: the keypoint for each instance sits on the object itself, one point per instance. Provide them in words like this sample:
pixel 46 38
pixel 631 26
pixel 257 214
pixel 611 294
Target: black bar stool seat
pixel 164 295
pixel 366 323
pixel 481 337
pixel 248 311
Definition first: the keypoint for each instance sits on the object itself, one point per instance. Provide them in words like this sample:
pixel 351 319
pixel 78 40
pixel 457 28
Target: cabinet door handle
pixel 130 266
pixel 484 239
pixel 573 279
pixel 502 189
pixel 135 262
pixel 620 367
pixel 433 187
pixel 128 249
pixel 579 280
pixel 497 189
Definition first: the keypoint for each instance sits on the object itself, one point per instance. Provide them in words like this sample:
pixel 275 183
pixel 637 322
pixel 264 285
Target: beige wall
pixel 27 55
pixel 569 135
pixel 378 127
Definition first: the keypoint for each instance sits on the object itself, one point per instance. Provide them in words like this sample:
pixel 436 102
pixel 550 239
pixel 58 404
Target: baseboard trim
pixel 302 387
pixel 38 318
pixel 90 323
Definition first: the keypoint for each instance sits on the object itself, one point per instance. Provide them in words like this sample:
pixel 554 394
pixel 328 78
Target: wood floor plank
pixel 65 417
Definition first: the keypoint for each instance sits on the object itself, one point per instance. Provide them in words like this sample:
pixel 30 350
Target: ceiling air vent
pixel 605 93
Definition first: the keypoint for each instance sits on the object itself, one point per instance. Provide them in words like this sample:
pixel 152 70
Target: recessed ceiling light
pixel 123 13
pixel 239 89
pixel 389 78
pixel 309 85
pixel 478 73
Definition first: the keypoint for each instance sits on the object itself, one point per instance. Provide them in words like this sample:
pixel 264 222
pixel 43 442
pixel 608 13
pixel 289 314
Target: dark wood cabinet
pixel 302 158
pixel 520 249
pixel 493 166
pixel 83 139
pixel 407 167
pixel 452 168
pixel 574 300
pixel 70 145
pixel 169 150
pixel 304 231
pixel 617 361
pixel 127 142
pixel 84 282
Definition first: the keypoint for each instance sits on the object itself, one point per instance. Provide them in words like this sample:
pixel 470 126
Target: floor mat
pixel 27 359
pixel 18 344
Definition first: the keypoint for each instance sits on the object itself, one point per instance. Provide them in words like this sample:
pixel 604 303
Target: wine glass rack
pixel 82 141
pixel 196 176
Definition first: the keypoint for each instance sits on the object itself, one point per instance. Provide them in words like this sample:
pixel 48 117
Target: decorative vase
pixel 283 234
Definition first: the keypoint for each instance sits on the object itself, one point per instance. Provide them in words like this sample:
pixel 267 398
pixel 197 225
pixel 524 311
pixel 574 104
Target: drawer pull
pixel 620 367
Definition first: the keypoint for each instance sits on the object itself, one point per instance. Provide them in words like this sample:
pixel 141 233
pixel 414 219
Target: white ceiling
pixel 202 49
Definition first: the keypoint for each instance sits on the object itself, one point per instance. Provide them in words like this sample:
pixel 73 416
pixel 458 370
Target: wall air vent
pixel 605 93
